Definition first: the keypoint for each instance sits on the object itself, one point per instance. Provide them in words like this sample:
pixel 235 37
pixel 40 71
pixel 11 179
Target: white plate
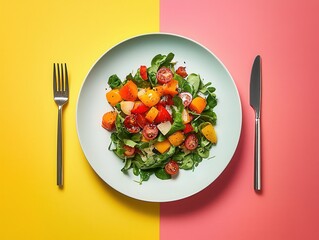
pixel 126 57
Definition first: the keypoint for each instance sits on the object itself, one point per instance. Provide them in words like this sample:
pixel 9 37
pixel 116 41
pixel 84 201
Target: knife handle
pixel 257 167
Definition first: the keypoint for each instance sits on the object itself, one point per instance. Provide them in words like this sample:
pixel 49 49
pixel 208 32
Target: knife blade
pixel 255 102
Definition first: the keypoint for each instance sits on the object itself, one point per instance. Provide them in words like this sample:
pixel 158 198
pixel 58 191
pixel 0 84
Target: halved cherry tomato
pixel 166 100
pixel 191 142
pixel 164 75
pixel 163 115
pixel 130 123
pixel 188 128
pixel 143 72
pixel 139 107
pixel 141 120
pixel 186 98
pixel 129 151
pixel 172 167
pixel 150 131
pixel 129 91
pixel 182 72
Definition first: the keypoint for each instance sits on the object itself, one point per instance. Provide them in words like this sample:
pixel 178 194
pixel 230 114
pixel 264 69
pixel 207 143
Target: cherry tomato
pixel 164 75
pixel 166 100
pixel 150 131
pixel 182 72
pixel 172 167
pixel 163 115
pixel 130 123
pixel 143 72
pixel 191 142
pixel 186 98
pixel 129 151
pixel 141 120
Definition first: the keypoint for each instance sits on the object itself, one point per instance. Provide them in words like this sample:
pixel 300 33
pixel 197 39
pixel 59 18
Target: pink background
pixel 286 35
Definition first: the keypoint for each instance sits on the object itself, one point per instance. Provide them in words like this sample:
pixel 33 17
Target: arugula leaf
pixel 155 161
pixel 114 81
pixel 129 142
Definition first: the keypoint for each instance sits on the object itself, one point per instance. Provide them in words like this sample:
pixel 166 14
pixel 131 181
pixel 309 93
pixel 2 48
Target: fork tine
pixel 62 77
pixel 59 77
pixel 66 78
pixel 54 79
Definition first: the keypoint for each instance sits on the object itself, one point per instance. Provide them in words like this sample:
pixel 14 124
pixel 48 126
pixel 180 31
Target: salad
pixel 162 119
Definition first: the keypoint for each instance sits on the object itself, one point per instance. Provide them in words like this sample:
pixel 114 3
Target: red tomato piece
pixel 150 131
pixel 139 107
pixel 182 72
pixel 163 115
pixel 188 128
pixel 130 123
pixel 191 142
pixel 166 100
pixel 141 120
pixel 129 151
pixel 143 72
pixel 129 91
pixel 164 75
pixel 186 98
pixel 172 167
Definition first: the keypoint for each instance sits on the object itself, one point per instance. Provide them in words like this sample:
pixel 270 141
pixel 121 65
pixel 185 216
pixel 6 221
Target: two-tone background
pixel 34 34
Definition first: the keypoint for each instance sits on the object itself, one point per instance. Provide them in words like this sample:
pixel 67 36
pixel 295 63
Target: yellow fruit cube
pixel 176 138
pixel 162 146
pixel 151 114
pixel 210 133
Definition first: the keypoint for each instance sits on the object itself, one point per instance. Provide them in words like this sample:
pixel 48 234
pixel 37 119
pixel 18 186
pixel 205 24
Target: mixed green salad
pixel 162 119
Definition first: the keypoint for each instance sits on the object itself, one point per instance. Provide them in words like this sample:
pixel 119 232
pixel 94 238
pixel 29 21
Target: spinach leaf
pixel 120 130
pixel 183 85
pixel 162 174
pixel 145 175
pixel 127 165
pixel 187 163
pixel 177 116
pixel 114 81
pixel 137 79
pixel 194 81
pixel 157 62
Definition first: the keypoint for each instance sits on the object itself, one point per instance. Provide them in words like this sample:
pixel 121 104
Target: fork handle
pixel 59 149
pixel 257 167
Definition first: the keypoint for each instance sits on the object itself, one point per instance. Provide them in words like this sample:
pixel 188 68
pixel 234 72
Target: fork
pixel 61 97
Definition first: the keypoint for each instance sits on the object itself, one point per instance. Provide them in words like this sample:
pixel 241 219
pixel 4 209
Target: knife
pixel 255 101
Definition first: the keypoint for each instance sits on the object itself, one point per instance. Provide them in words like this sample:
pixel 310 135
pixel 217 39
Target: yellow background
pixel 33 35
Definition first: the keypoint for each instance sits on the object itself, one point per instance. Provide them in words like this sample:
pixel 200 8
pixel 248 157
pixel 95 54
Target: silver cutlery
pixel 255 101
pixel 61 97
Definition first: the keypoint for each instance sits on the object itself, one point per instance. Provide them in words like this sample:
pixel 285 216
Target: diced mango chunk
pixel 151 114
pixel 162 146
pixel 210 133
pixel 176 138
